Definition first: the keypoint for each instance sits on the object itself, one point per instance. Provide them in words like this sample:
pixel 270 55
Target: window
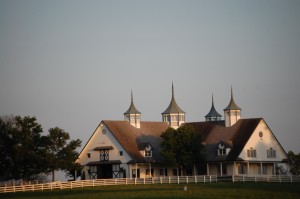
pixel 104 155
pixel 148 172
pixel 135 174
pixel 271 153
pixel 121 153
pixel 262 170
pixel 148 153
pixel 88 155
pixel 175 173
pixel 163 172
pixel 221 149
pixel 251 153
pixel 242 168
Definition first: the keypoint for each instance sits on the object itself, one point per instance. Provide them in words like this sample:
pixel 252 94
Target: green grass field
pixel 213 191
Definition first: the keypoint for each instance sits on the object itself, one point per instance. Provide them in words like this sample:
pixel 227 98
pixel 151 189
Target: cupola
pixel 132 115
pixel 173 115
pixel 232 112
pixel 213 115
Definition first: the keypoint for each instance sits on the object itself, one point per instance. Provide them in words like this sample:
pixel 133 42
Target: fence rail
pixel 107 182
pixel 265 178
pixel 137 181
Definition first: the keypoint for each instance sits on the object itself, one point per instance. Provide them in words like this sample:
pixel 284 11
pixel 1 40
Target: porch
pixel 241 168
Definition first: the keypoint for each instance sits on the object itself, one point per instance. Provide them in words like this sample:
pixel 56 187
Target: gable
pixel 263 140
pixel 132 138
pixel 102 139
pixel 236 136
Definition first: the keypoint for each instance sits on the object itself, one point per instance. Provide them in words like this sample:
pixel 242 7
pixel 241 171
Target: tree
pixel 27 153
pixel 182 147
pixel 294 162
pixel 23 148
pixel 61 154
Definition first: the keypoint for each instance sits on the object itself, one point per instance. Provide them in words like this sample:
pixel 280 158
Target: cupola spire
pixel 132 115
pixel 213 114
pixel 174 115
pixel 232 112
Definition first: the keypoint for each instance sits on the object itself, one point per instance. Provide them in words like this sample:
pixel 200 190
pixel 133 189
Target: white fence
pixel 106 182
pixel 22 182
pixel 137 181
pixel 265 178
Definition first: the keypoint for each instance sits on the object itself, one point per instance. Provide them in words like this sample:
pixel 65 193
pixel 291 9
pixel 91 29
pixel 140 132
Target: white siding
pixel 262 144
pixel 100 139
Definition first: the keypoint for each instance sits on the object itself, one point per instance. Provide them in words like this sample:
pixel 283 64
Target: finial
pixel 131 96
pixel 231 93
pixel 212 99
pixel 172 89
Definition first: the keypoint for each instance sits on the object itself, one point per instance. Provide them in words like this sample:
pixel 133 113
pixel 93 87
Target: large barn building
pixel 131 148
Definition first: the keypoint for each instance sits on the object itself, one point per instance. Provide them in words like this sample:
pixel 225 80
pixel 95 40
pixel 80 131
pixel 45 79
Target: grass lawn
pixel 213 191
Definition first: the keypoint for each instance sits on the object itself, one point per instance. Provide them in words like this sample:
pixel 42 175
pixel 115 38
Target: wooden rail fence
pixel 107 182
pixel 138 181
pixel 265 178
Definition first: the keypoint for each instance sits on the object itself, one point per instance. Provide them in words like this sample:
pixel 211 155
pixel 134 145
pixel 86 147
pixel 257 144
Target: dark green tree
pixel 182 147
pixel 61 151
pixel 169 147
pixel 27 153
pixel 294 162
pixel 23 148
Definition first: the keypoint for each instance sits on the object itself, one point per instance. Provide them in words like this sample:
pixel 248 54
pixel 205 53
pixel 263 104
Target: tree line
pixel 29 153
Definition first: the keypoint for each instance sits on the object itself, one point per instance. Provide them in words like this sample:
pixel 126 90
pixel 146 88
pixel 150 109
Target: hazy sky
pixel 73 63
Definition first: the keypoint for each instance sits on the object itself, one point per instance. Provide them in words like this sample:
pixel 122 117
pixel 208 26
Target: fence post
pixel 178 179
pixel 126 181
pixel 144 180
pixel 210 179
pixel 160 180
pixel 291 178
pixel 135 181
pixel 169 180
pixel 195 179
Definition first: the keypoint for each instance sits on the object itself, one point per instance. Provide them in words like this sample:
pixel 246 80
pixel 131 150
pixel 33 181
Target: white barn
pixel 131 148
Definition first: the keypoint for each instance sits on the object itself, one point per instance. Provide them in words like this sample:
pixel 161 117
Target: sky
pixel 74 63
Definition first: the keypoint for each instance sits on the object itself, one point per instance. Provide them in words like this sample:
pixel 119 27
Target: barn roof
pixel 132 138
pixel 237 135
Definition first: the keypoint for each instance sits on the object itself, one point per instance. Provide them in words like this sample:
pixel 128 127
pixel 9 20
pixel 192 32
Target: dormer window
pixel 148 151
pixel 145 149
pixel 221 149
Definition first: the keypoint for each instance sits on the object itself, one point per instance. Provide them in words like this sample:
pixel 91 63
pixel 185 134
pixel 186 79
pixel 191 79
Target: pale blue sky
pixel 73 63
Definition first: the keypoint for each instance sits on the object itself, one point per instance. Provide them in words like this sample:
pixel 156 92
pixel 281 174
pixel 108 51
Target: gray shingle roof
pixel 232 105
pixel 213 112
pixel 173 107
pixel 237 135
pixel 132 109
